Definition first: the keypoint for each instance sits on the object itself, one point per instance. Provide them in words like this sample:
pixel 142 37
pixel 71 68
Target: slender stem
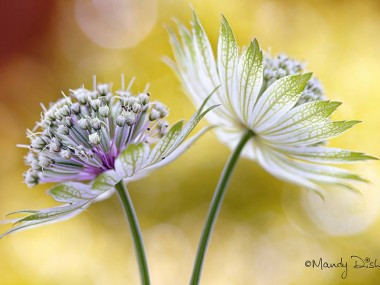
pixel 126 201
pixel 215 206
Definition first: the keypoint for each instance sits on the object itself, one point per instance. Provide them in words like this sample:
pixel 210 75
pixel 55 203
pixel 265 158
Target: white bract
pixel 100 138
pixel 283 108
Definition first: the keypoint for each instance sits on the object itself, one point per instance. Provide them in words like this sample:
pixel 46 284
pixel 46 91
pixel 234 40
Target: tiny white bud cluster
pixel 281 65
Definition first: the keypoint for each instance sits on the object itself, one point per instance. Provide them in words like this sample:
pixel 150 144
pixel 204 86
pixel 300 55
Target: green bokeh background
pixel 267 229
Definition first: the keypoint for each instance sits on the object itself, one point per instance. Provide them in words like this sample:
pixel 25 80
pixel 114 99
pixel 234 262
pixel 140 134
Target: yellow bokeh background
pixel 267 229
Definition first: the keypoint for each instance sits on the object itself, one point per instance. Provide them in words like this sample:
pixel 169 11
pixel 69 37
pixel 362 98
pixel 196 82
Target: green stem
pixel 134 227
pixel 215 206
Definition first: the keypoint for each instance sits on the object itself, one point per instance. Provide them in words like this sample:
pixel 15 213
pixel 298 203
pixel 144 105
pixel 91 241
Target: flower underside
pixel 269 96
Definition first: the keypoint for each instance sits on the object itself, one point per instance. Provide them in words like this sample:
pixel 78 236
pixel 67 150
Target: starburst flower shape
pixel 91 140
pixel 283 108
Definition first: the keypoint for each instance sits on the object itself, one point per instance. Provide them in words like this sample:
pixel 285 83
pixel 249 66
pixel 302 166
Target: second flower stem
pixel 215 206
pixel 129 210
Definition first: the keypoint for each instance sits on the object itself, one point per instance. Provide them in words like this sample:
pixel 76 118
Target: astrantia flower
pixel 99 137
pixel 284 110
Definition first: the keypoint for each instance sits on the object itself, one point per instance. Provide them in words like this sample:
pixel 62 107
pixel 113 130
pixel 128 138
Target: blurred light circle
pixel 116 23
pixel 343 212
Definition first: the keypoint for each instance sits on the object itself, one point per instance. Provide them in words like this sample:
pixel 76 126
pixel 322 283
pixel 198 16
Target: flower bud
pixel 65 154
pixel 81 95
pixel 79 151
pixel 49 115
pixel 94 138
pixel 44 161
pixel 163 127
pixel 35 164
pixel 163 113
pixel 120 120
pixel 57 115
pixel 162 109
pixel 83 124
pixel 75 108
pixel 95 104
pixel 64 111
pixel 31 178
pixel 136 107
pixel 68 122
pixel 104 111
pixel 103 89
pixel 144 98
pixel 130 118
pixel 154 114
pixel 95 123
pixel 63 130
pixel 55 145
pixel 38 143
pixel 29 158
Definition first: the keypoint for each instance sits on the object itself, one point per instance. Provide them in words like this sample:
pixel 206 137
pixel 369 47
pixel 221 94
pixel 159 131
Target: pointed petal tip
pixel 354 122
pixel 255 43
pixel 307 76
pixel 347 124
pixel 360 179
pixel 195 16
pixel 370 157
pixel 224 19
pixel 336 103
pixel 364 156
pixel 254 46
pixel 226 27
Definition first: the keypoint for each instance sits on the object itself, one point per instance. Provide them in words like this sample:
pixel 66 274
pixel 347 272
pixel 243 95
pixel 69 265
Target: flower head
pixel 269 96
pixel 80 136
pixel 100 137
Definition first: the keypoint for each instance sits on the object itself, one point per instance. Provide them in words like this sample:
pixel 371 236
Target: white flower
pixel 99 138
pixel 281 108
